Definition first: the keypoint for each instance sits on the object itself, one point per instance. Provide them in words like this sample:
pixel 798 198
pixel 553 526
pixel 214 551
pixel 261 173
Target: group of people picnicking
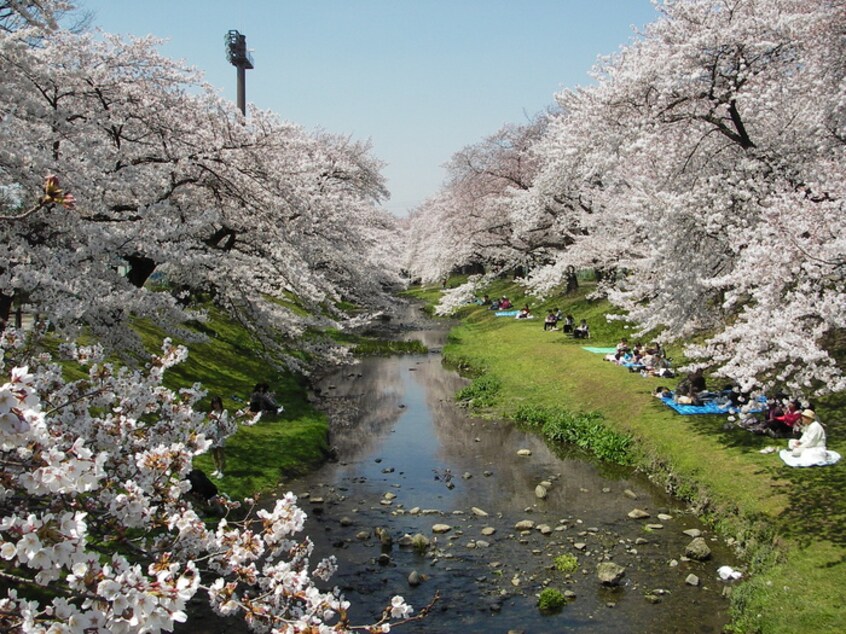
pixel 780 417
pixel 649 360
pixel 503 303
pixel 783 416
pixel 550 322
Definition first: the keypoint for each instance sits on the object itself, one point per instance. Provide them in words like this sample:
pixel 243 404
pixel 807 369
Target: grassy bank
pixel 257 457
pixel 791 523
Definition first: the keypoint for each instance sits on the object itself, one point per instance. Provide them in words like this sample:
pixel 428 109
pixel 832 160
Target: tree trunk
pixel 140 269
pixel 5 308
pixel 572 280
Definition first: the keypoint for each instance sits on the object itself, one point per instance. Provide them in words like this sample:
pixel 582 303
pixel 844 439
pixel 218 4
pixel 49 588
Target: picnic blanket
pixel 596 350
pixel 831 457
pixel 708 407
pixel 506 313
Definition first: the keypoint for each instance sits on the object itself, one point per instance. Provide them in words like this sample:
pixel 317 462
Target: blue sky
pixel 420 78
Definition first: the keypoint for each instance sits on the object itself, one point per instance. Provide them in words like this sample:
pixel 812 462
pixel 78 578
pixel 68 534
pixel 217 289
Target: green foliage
pixel 566 563
pixel 482 392
pixel 551 600
pixel 372 346
pixel 586 430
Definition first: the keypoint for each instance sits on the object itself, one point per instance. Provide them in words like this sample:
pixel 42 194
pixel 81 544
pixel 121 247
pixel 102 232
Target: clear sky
pixel 420 78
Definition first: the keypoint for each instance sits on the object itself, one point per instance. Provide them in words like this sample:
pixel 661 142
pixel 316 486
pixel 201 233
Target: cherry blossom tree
pixel 705 169
pixel 170 179
pixel 739 144
pixel 152 172
pixel 469 223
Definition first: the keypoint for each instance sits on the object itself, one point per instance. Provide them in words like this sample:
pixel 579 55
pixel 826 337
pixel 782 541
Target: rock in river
pixel 698 549
pixel 441 528
pixel 609 573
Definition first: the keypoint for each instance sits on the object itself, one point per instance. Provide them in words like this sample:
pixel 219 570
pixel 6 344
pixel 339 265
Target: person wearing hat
pixel 812 443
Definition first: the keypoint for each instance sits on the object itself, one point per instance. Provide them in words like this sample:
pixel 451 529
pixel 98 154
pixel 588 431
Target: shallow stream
pixel 410 458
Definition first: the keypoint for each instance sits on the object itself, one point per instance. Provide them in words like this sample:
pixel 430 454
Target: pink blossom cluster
pixel 95 510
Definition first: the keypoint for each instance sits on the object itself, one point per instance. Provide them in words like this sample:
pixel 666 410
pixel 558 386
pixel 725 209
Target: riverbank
pixel 788 523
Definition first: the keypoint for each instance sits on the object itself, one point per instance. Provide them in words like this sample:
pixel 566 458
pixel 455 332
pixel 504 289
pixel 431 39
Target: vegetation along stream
pixel 412 462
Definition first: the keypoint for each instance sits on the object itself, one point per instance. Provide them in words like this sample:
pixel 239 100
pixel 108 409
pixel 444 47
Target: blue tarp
pixel 708 407
pixel 506 313
pixel 596 350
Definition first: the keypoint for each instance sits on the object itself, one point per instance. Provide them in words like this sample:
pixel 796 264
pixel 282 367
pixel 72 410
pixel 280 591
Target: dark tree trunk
pixel 5 308
pixel 140 269
pixel 572 280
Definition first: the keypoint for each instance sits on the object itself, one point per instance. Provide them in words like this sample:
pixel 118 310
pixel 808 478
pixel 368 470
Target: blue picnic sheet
pixel 506 313
pixel 596 350
pixel 708 407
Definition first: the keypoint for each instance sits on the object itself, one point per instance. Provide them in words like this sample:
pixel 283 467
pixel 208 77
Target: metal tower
pixel 238 55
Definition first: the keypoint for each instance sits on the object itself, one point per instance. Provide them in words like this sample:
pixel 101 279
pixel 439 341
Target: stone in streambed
pixel 609 573
pixel 698 550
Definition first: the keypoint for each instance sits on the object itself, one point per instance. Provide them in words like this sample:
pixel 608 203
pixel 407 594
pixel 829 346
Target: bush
pixel 551 600
pixel 482 392
pixel 566 563
pixel 585 430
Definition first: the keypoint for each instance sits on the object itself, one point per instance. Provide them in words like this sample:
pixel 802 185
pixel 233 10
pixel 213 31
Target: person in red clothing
pixel 785 423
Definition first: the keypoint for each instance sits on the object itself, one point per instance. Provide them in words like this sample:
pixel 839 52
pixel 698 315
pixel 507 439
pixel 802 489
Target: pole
pixel 242 90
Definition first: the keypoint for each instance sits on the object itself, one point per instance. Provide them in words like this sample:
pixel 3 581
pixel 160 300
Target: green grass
pixel 227 365
pixel 587 430
pixel 790 523
pixel 482 392
pixel 383 347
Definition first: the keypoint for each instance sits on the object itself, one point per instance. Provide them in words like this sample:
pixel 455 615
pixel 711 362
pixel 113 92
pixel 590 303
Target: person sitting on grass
pixel 582 331
pixel 787 422
pixel 550 322
pixel 504 303
pixel 261 400
pixel 524 313
pixel 810 447
pixel 691 389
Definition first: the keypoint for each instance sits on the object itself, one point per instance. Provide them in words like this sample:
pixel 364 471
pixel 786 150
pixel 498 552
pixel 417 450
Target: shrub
pixel 551 600
pixel 566 563
pixel 482 392
pixel 585 430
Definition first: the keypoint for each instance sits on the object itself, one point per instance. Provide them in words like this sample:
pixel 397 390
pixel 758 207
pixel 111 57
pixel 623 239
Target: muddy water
pixel 409 458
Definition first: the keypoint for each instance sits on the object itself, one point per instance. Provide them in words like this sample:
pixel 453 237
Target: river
pixel 410 458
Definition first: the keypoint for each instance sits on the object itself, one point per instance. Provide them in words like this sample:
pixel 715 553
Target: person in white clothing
pixel 811 446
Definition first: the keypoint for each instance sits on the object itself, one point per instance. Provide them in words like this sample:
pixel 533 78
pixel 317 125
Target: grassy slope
pixel 794 517
pixel 257 457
